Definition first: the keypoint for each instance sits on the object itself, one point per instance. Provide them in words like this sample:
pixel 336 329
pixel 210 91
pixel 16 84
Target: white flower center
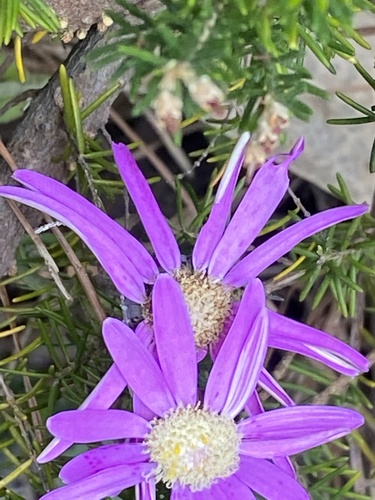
pixel 193 447
pixel 209 303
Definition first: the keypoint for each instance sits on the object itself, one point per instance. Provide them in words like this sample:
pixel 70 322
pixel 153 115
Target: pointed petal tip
pixel 298 147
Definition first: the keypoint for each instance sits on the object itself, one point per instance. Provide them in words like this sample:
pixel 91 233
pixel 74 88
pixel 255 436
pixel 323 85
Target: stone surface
pixel 339 148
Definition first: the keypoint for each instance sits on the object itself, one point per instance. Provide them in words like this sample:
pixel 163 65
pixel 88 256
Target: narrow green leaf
pixel 99 101
pixel 350 121
pixel 347 486
pixel 315 49
pixel 326 479
pixel 3 21
pixel 355 105
pixel 23 352
pixel 15 473
pixel 143 55
pixel 313 276
pixel 361 70
pixel 344 190
pixel 48 18
pixel 321 291
pixel 372 158
pixel 180 207
pixel 80 140
pixel 362 267
pixel 339 292
pixel 352 293
pixel 343 41
pixel 67 102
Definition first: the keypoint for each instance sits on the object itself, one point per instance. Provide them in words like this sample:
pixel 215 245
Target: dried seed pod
pixel 266 138
pixel 77 16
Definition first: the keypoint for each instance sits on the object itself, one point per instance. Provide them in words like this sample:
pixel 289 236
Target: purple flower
pixel 218 265
pixel 218 262
pixel 199 449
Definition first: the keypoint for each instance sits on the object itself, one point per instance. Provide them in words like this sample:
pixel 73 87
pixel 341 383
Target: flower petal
pixel 137 364
pixel 260 201
pixel 103 396
pixel 254 405
pixel 90 426
pixel 236 369
pixel 133 249
pixel 181 493
pixel 293 336
pixel 231 488
pixel 294 429
pixel 122 272
pixel 154 222
pixel 211 232
pixel 270 481
pixel 101 458
pixel 286 465
pixel 174 339
pixel 145 490
pixel 106 483
pixel 280 244
pixel 269 384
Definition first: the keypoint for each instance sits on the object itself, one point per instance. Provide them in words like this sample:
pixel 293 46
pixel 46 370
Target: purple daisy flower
pixel 219 247
pixel 196 446
pixel 218 262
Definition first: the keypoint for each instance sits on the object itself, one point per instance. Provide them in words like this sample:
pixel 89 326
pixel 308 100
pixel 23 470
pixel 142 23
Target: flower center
pixel 209 304
pixel 194 447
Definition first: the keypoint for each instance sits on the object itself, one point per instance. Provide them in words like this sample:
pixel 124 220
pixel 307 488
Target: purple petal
pixel 181 493
pixel 254 405
pixel 145 333
pixel 210 234
pixel 102 397
pixel 122 272
pixel 104 457
pixel 231 488
pixel 270 385
pixel 277 246
pixel 269 481
pixel 137 364
pixel 174 339
pixel 260 201
pixel 90 426
pixel 145 490
pixel 294 429
pixel 296 337
pixel 236 369
pixel 286 465
pixel 109 482
pixel 133 249
pixel 154 222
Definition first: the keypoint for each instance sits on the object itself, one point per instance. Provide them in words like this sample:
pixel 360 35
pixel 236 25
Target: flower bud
pixel 168 110
pixel 207 95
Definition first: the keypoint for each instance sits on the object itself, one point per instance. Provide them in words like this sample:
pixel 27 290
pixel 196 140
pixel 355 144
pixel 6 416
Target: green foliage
pixel 265 56
pixel 334 260
pixel 14 14
pixel 369 114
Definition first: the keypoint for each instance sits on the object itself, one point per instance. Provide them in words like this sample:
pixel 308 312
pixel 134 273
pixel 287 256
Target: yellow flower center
pixel 209 303
pixel 193 447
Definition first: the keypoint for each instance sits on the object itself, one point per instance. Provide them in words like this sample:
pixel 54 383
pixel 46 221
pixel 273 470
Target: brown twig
pixel 80 272
pixel 339 385
pixel 43 252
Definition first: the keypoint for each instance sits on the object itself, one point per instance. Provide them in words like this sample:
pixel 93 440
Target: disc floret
pixel 193 447
pixel 209 303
